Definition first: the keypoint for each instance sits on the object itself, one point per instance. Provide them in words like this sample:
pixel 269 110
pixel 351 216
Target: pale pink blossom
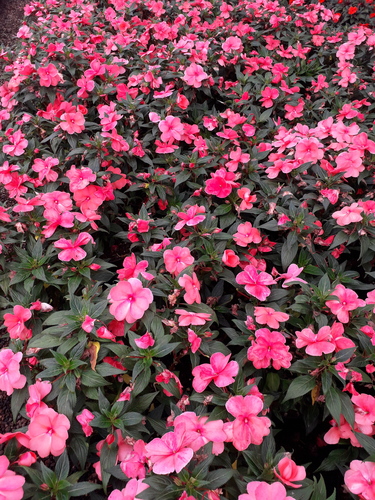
pixel 188 318
pixel 171 128
pixel 37 392
pixel 192 287
pixel 247 427
pixel 194 75
pixel 129 300
pixel 191 217
pixel 289 471
pixel 177 259
pixel 360 479
pixel 84 419
pixel 131 269
pixel 145 341
pixel 221 371
pixel 347 301
pixel 230 258
pixel 259 490
pixel 268 349
pixel 309 150
pixel 10 482
pixel 199 431
pixel 291 275
pixel 10 376
pixel 247 234
pixel 48 432
pixel 268 316
pixel 256 283
pixel 15 323
pixel 130 492
pixel 169 453
pixel 72 249
pixel 347 215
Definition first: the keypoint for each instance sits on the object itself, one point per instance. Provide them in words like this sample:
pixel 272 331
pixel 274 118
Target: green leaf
pixel 333 403
pixel 19 397
pixel 62 466
pixel 108 459
pixel 299 387
pixel 82 488
pixel 219 477
pixel 131 418
pixel 80 448
pixel 367 442
pixel 93 379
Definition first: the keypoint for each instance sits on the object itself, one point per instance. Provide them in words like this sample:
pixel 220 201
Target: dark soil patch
pixel 11 12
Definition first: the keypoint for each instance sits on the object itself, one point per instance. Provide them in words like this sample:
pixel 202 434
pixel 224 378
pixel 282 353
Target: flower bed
pixel 187 251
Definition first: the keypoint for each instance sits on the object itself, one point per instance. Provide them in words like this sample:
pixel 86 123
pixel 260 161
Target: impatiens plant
pixel 187 249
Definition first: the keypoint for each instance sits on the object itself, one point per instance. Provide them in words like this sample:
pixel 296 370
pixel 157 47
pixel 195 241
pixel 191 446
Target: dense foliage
pixel 187 250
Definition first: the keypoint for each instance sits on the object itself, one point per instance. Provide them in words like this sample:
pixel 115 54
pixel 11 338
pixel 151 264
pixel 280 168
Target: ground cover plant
pixel 187 251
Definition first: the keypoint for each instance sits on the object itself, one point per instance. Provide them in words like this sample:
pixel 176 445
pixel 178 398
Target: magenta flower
pixel 317 344
pixel 191 217
pixel 73 123
pixel 72 249
pixel 256 284
pixel 10 376
pixel 268 316
pixel 129 300
pixel 48 432
pixel 84 419
pixel 169 453
pixel 348 301
pixel 198 431
pixel 259 490
pixel 171 128
pixel 221 371
pixel 131 269
pixel 10 483
pixel 268 95
pixel 309 150
pixel 188 318
pixel 49 76
pixel 247 428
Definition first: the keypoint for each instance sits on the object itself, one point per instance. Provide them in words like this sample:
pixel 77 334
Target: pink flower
pixel 316 344
pixel 194 75
pixel 247 234
pixel 26 459
pixel 289 471
pixel 133 464
pixel 84 419
pixel 259 490
pixel 192 287
pixel 222 183
pixel 232 44
pixel 221 371
pixel 268 95
pixel 177 259
pixel 348 301
pixel 130 492
pixel 10 483
pixel 347 215
pixel 37 392
pixel 49 76
pixel 350 163
pixel 145 341
pixel 44 168
pixel 131 269
pixel 190 218
pixel 15 323
pixel 88 324
pixel 73 123
pixel 129 300
pixel 169 453
pixel 360 479
pixel 194 340
pixel 10 376
pixel 291 275
pixel 80 177
pixel 309 150
pixel 256 284
pixel 71 249
pixel 188 318
pixel 248 428
pixel 48 432
pixel 230 258
pixel 18 144
pixel 269 348
pixel 172 129
pixel 270 317
pixel 199 432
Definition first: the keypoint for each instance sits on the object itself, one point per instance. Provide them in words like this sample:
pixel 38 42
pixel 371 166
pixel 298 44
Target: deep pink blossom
pixel 72 249
pixel 221 371
pixel 199 431
pixel 360 479
pixel 288 472
pixel 188 318
pixel 194 75
pixel 15 323
pixel 84 418
pixel 129 300
pixel 177 259
pixel 37 392
pixel 191 217
pixel 269 349
pixel 130 492
pixel 247 234
pixel 268 316
pixel 192 287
